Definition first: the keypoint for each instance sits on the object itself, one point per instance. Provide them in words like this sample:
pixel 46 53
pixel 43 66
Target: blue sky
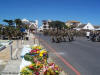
pixel 80 10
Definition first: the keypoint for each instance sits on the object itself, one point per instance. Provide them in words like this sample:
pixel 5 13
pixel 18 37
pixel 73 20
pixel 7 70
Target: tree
pixel 10 22
pixel 58 27
pixel 9 30
pixel 57 24
pixel 1 29
pixel 18 23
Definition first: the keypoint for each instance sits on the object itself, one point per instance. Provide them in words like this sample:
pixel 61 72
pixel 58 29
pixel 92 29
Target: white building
pixel 40 28
pixel 45 25
pixel 98 29
pixel 32 24
pixel 25 20
pixel 89 26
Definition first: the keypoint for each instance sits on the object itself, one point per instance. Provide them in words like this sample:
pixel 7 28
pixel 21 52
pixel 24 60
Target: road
pixel 82 54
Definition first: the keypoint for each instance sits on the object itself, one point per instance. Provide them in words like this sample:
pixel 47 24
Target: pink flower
pixel 31 67
pixel 37 73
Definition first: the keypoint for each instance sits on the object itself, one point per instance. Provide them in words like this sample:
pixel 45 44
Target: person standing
pixel 87 34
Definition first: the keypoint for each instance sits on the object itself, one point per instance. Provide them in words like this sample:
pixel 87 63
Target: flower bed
pixel 37 63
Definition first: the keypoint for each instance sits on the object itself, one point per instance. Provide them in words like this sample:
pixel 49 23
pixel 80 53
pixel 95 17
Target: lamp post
pixel 11 52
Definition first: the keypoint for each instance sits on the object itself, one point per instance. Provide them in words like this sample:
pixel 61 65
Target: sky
pixel 80 10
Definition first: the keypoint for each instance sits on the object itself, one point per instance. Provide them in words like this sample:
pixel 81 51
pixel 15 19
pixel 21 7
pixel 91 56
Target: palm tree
pixel 57 24
pixel 18 23
pixel 10 22
pixel 9 30
pixel 19 26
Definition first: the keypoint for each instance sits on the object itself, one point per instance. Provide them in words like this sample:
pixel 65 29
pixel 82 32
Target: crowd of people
pixel 93 36
pixel 69 35
pixel 61 35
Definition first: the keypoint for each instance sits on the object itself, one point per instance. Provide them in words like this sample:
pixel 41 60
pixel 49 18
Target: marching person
pixel 88 35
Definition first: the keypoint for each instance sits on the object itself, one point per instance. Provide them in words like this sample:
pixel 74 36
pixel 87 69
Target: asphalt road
pixel 82 54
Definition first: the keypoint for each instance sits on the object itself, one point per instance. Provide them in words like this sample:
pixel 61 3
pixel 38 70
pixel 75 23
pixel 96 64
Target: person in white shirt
pixel 87 35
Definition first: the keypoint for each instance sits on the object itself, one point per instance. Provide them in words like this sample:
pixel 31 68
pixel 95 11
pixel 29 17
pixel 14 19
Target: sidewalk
pixel 5 55
pixel 13 66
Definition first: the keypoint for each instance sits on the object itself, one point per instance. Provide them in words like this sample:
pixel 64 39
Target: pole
pixel 17 46
pixel 11 52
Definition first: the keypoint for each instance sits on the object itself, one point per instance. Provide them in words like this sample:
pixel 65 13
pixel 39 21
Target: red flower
pixel 45 73
pixel 33 51
pixel 37 49
pixel 50 64
pixel 37 73
pixel 31 67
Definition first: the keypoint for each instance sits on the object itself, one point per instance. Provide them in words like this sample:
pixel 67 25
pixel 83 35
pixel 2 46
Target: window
pixel 44 23
pixel 44 26
pixel 49 27
pixel 87 27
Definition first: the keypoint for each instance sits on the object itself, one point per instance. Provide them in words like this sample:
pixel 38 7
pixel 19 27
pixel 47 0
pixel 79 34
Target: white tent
pixel 89 26
pixel 25 20
pixel 98 29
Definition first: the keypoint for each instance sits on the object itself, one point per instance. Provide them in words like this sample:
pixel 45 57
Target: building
pixel 40 28
pixel 80 27
pixel 88 26
pixel 33 25
pixel 45 25
pixel 25 21
pixel 97 28
pixel 72 22
pixel 30 23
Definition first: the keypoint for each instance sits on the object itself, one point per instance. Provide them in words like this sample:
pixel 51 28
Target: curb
pixel 51 60
pixel 61 58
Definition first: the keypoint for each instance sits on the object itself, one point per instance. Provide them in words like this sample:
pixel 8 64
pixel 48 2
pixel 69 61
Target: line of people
pixel 93 36
pixel 62 36
pixel 69 35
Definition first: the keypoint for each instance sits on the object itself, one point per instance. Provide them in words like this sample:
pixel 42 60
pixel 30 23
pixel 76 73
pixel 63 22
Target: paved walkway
pixel 12 66
pixel 5 55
